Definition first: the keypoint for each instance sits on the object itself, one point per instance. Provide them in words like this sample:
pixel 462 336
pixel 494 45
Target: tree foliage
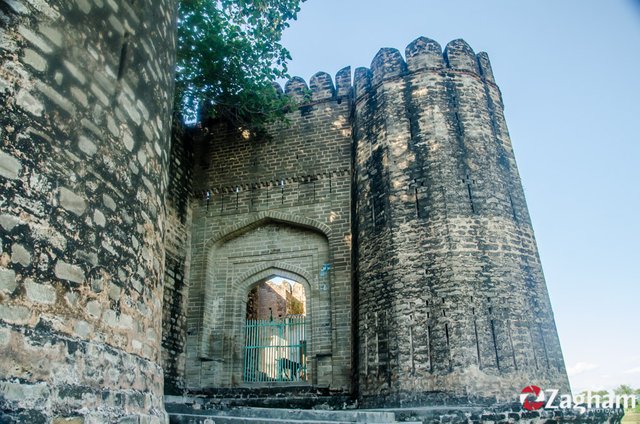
pixel 624 389
pixel 229 54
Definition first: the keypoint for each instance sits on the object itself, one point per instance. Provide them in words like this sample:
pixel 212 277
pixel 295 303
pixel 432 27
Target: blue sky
pixel 569 71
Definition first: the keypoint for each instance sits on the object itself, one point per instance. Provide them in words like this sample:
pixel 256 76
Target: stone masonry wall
pixel 452 300
pixel 85 94
pixel 177 261
pixel 277 206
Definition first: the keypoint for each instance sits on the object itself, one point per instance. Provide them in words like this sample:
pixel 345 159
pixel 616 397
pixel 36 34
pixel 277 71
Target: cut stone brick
pixel 7 280
pixel 69 272
pixel 10 167
pixel 72 202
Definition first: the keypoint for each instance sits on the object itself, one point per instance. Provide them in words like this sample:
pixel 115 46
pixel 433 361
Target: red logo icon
pixel 530 405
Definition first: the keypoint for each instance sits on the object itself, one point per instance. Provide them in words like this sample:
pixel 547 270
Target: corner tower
pixel 85 100
pixel 452 302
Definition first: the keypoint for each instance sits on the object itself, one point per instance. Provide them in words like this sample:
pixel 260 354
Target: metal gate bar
pixel 275 350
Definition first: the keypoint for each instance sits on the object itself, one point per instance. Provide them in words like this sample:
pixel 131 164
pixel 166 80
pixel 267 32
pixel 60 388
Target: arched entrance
pixel 237 264
pixel 275 349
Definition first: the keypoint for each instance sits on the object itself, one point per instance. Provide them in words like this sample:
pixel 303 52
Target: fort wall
pixel 274 206
pixel 86 96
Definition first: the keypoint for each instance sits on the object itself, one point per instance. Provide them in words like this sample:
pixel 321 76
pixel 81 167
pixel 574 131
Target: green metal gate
pixel 275 350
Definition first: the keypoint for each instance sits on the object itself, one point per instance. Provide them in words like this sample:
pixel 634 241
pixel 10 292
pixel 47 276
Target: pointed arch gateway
pixel 243 256
pixel 277 326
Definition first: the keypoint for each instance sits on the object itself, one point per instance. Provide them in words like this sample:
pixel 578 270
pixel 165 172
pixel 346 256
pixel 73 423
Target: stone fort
pixel 133 248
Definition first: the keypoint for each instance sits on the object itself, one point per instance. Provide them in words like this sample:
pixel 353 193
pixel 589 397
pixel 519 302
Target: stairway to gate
pixel 182 413
pixel 279 416
pixel 195 411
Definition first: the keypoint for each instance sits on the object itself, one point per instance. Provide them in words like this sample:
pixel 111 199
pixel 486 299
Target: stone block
pixel 69 272
pixel 72 202
pixel 10 167
pixel 20 255
pixel 7 280
pixel 40 293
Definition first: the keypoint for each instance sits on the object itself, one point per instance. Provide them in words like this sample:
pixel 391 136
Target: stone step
pixel 181 414
pixel 181 418
pixel 218 419
pixel 352 416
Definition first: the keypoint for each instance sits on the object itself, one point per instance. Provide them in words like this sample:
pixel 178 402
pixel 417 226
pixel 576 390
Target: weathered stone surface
pixel 451 296
pixel 76 82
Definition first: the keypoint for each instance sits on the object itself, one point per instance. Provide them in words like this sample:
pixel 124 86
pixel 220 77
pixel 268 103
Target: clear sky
pixel 569 71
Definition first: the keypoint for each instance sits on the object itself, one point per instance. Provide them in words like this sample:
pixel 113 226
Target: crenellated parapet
pixel 297 89
pixel 485 67
pixel 387 63
pixel 422 54
pixel 343 82
pixel 320 88
pixel 362 81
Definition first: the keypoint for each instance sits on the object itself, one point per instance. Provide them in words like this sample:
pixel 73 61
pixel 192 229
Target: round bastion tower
pixel 86 98
pixel 452 302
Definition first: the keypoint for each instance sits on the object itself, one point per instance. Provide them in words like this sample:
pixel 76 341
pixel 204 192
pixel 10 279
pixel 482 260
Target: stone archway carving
pixel 279 268
pixel 261 218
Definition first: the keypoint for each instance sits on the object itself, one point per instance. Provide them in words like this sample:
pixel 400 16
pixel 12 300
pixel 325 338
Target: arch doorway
pixel 275 349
